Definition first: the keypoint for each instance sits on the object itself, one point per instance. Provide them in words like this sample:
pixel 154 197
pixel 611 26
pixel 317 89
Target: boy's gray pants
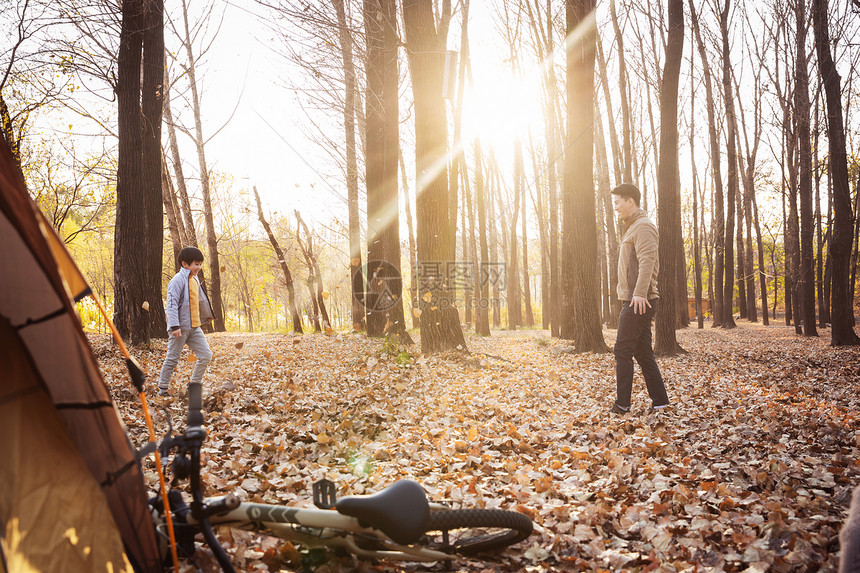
pixel 196 341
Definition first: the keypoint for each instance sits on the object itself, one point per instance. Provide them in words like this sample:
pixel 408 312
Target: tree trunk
pixel 244 294
pixel 465 257
pixel 743 311
pixel 413 253
pixel 356 275
pixel 493 265
pixel 761 273
pixel 728 320
pixel 718 228
pixel 498 204
pixel 515 311
pixel 807 225
pixel 139 311
pixel 669 188
pixel 440 324
pixel 538 201
pixel 178 232
pixel 828 256
pixel 482 313
pixel 580 317
pixel 604 189
pixel 191 233
pixel 793 250
pixel 282 260
pixel 617 154
pixel 856 257
pixel 470 258
pixel 842 332
pixel 605 295
pixel 709 249
pixel 456 164
pixel 315 281
pixel 553 137
pixel 384 299
pixel 625 96
pixel 315 313
pixel 823 314
pixel 173 218
pixel 697 255
pixel 526 292
pixel 8 131
pixel 199 142
pixel 748 176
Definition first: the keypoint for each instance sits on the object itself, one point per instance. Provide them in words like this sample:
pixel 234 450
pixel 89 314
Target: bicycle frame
pixel 312 527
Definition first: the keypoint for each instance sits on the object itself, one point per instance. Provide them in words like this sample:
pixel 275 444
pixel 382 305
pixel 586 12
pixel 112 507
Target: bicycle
pixel 397 523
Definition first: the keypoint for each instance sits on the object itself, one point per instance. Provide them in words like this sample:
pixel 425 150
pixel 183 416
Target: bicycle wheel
pixel 471 531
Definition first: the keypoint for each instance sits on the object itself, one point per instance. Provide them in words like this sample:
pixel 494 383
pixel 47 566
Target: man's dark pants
pixel 634 341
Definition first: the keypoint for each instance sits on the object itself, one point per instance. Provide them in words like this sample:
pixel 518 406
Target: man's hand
pixel 640 304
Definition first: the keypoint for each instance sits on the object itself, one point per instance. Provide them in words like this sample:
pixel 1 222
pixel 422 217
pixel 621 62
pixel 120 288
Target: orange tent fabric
pixel 38 284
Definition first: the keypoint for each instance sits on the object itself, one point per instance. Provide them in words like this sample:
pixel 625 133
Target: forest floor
pixel 750 469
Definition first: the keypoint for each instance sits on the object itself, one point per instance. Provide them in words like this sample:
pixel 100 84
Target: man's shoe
pixel 163 393
pixel 660 408
pixel 616 409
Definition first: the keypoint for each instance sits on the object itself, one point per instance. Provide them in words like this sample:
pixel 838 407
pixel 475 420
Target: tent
pixel 72 495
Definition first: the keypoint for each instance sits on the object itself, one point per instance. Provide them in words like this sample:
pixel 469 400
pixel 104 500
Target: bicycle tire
pixel 478 530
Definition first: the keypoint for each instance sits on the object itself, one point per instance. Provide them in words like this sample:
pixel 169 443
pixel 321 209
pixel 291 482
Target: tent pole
pixel 137 378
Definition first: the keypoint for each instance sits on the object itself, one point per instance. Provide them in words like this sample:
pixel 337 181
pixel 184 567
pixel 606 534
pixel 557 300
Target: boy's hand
pixel 176 333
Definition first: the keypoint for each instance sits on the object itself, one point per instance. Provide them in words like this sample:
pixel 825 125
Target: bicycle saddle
pixel 400 511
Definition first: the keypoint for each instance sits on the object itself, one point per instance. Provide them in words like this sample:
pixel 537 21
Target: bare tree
pixel 346 47
pixel 626 120
pixel 728 319
pixel 581 299
pixel 669 188
pixel 843 333
pixel 807 226
pixel 425 44
pixel 190 69
pixel 315 283
pixel 282 260
pixel 697 253
pixel 139 311
pixel 384 293
pixel 716 173
pixel 603 190
pixel 482 316
pixel 749 177
pixel 181 188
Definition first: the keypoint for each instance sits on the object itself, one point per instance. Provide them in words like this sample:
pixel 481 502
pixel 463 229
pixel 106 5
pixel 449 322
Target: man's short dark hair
pixel 190 255
pixel 628 191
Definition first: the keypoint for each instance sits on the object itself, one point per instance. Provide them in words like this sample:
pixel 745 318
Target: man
pixel 637 290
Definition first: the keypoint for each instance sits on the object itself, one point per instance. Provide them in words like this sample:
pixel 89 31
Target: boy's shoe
pixel 660 408
pixel 616 409
pixel 162 393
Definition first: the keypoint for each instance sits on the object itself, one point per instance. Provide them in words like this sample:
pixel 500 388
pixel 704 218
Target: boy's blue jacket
pixel 177 309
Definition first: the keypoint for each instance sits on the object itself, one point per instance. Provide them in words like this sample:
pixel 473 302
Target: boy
pixel 187 309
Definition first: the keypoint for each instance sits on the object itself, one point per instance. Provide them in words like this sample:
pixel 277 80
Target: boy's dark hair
pixel 190 255
pixel 628 191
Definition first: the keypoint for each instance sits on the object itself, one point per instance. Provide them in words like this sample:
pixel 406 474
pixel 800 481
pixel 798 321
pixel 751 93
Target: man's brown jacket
pixel 637 258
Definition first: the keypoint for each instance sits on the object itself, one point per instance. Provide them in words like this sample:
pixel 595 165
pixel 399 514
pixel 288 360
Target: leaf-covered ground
pixel 751 468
